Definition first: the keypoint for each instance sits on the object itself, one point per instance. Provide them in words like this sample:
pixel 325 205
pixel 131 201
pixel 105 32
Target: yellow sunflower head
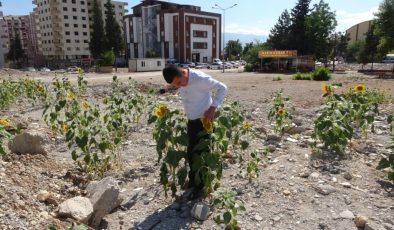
pixel 161 111
pixel 5 123
pixel 65 128
pixel 80 71
pixel 360 88
pixel 245 126
pixel 281 112
pixel 104 100
pixel 71 96
pixel 208 125
pixel 85 105
pixel 326 89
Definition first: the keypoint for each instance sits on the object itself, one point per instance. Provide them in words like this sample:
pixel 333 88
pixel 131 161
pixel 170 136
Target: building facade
pixel 172 31
pixel 64 27
pixel 358 32
pixel 2 40
pixel 23 26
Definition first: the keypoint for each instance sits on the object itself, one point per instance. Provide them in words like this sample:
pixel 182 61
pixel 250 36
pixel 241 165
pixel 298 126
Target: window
pixel 214 34
pixel 200 34
pixel 77 48
pixel 76 41
pixel 143 64
pixel 65 17
pixel 85 41
pixel 65 1
pixel 69 48
pixel 187 18
pixel 68 41
pixel 83 25
pixel 200 45
pixel 65 9
pixel 75 25
pixel 85 33
pixel 84 18
pixel 73 1
pixel 74 9
pixel 83 10
pixel 75 17
pixel 158 63
pixel 76 33
pixel 67 32
pixel 66 25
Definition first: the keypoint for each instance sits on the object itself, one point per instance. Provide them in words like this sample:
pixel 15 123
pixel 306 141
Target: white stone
pixel 79 208
pixel 200 211
pixel 33 141
pixel 346 214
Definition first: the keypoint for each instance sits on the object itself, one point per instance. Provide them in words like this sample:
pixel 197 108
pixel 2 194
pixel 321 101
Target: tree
pixel 342 46
pixel 251 56
pixel 150 53
pixel 298 36
pixel 371 45
pixel 98 42
pixel 279 34
pixel 320 25
pixel 15 52
pixel 233 49
pixel 385 26
pixel 112 29
pixel 354 50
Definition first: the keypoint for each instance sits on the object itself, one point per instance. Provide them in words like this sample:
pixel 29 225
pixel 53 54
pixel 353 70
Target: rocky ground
pixel 295 190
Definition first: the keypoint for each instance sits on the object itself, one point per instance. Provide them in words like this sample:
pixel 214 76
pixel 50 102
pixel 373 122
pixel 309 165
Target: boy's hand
pixel 210 114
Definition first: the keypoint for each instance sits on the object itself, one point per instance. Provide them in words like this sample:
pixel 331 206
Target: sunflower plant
pixel 93 129
pixel 334 126
pixel 280 112
pixel 227 202
pixel 4 125
pixel 228 133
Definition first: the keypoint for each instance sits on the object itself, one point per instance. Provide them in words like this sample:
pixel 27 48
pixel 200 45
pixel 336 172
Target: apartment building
pixel 23 26
pixel 174 31
pixel 2 45
pixel 64 27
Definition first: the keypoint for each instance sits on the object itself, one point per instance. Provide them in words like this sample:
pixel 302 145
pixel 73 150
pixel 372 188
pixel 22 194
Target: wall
pixel 145 64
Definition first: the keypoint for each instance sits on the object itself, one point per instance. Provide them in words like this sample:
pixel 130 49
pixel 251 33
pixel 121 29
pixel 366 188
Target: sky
pixel 249 16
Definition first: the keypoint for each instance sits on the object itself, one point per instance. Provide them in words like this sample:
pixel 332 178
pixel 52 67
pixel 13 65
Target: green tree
pixel 233 49
pixel 279 34
pixel 298 35
pixel 98 42
pixel 371 45
pixel 385 26
pixel 320 25
pixel 112 29
pixel 342 46
pixel 15 52
pixel 150 53
pixel 354 50
pixel 251 56
pixel 246 48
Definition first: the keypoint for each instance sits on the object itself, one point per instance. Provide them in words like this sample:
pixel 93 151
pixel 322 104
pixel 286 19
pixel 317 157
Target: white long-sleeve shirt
pixel 196 95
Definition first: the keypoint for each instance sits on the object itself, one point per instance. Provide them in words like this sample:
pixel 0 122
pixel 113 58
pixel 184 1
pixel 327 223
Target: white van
pixel 389 58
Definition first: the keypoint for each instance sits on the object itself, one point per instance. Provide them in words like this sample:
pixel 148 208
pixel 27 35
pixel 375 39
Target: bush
pixel 278 78
pixel 321 74
pixel 301 76
pixel 248 68
pixel 107 58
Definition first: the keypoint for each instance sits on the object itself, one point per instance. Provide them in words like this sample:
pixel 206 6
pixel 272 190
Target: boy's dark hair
pixel 171 72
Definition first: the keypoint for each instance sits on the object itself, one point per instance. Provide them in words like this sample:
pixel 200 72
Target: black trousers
pixel 194 128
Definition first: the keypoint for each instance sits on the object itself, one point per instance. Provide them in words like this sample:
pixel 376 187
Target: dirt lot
pixel 287 195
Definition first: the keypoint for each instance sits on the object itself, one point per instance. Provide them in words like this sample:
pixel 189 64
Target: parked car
pixel 389 58
pixel 215 66
pixel 72 69
pixel 187 65
pixel 201 65
pixel 29 69
pixel 45 69
pixel 228 65
pixel 217 60
pixel 235 64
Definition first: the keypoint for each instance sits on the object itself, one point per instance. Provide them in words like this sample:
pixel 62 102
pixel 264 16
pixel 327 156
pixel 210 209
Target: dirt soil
pixel 287 194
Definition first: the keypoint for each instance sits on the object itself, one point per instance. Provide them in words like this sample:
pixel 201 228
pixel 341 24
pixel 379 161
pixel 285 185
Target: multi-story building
pixel 181 32
pixel 63 28
pixel 22 25
pixel 358 32
pixel 2 40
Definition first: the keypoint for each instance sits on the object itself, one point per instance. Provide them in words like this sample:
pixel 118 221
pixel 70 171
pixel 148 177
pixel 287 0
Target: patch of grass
pixel 278 78
pixel 301 76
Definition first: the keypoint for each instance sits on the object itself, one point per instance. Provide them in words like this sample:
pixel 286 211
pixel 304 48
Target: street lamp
pixel 224 23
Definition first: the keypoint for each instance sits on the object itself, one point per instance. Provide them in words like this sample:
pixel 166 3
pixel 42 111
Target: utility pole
pixel 224 25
